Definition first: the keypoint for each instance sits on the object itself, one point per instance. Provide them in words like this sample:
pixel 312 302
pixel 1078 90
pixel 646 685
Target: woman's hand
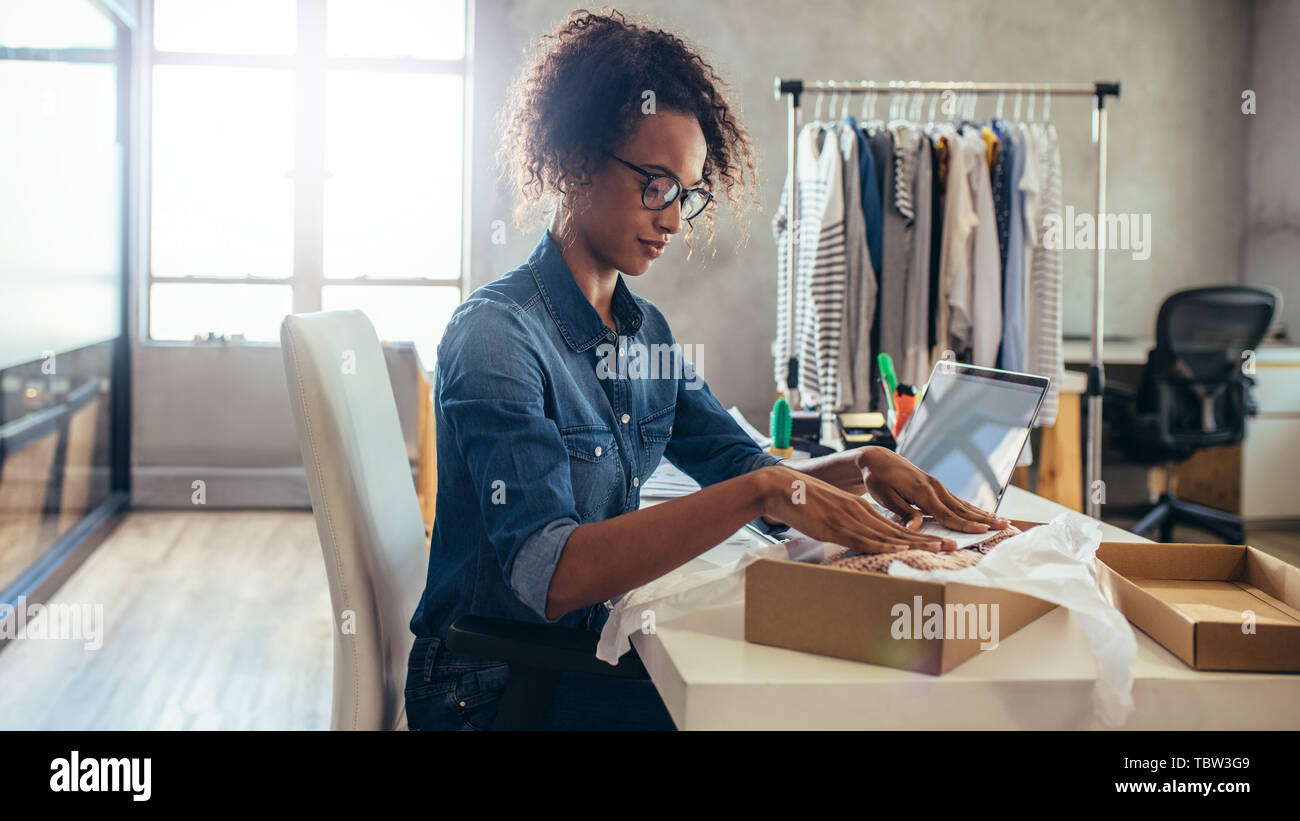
pixel 823 511
pixel 899 485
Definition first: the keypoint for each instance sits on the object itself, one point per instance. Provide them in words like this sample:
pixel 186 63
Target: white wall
pixel 1271 251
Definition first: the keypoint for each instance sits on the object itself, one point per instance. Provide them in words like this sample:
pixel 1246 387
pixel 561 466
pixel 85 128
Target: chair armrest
pixel 542 646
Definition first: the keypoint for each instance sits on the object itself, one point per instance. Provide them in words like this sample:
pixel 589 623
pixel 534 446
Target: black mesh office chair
pixel 1194 394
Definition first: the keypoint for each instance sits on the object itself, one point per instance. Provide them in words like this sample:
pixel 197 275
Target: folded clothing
pixel 919 559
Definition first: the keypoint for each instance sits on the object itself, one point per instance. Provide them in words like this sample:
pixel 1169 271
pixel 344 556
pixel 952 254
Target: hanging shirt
pixel 869 187
pixel 1014 290
pixel 915 365
pixel 984 335
pixel 959 221
pixel 860 290
pixel 898 251
pixel 1045 352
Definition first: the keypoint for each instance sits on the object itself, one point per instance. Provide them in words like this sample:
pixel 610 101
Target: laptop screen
pixel 970 427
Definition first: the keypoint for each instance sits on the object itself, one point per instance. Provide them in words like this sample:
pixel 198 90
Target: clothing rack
pixel 793 89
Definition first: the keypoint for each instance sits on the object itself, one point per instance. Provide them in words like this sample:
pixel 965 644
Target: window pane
pixel 428 29
pixel 54 24
pixel 226 26
pixel 407 313
pixel 179 311
pixel 393 152
pixel 222 151
pixel 60 207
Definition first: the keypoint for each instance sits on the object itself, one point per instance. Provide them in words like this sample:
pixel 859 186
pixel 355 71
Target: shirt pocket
pixel 655 429
pixel 594 468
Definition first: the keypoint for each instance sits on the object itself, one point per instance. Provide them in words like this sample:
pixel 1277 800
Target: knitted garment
pixel 919 559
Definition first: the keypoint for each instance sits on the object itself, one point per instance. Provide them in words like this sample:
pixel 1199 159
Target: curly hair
pixel 582 93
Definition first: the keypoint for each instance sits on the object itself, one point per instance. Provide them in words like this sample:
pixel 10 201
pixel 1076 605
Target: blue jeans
pixel 451 691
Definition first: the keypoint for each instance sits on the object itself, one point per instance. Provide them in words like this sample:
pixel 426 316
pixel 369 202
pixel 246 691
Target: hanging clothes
pixel 916 306
pixel 897 251
pixel 860 285
pixel 864 283
pixel 820 281
pixel 919 242
pixel 984 335
pixel 1014 289
pixel 1046 354
pixel 959 221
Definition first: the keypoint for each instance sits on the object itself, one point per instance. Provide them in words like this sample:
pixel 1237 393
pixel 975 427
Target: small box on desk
pixel 1215 606
pixel 854 615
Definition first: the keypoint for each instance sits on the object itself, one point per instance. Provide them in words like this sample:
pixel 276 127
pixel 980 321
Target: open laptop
pixel 970 426
pixel 967 431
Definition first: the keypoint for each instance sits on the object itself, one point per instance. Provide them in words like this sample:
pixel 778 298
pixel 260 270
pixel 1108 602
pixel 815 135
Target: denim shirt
pixel 546 419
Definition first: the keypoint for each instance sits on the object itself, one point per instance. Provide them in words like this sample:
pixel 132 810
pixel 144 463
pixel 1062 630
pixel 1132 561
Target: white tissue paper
pixel 678 594
pixel 1053 562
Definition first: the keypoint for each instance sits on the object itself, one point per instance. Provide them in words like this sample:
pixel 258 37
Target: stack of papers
pixel 667 482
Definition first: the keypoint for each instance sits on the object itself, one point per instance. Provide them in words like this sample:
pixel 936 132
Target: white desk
pixel 1039 678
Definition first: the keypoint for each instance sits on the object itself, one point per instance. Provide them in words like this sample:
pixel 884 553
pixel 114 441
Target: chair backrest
pixel 1196 368
pixel 367 516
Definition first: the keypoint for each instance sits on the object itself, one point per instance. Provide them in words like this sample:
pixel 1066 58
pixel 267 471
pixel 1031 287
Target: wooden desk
pixel 1039 678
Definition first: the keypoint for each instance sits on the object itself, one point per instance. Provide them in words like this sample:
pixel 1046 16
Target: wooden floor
pixel 212 620
pixel 215 620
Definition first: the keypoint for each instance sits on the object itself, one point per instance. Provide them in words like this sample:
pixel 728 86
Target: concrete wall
pixel 1271 251
pixel 1178 151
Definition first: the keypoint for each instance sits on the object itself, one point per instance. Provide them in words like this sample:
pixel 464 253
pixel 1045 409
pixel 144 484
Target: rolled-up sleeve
pixel 490 394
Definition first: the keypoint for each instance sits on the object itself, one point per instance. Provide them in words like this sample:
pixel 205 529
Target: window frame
pixel 310 64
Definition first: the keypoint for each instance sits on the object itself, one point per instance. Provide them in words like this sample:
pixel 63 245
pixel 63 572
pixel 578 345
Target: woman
pixel 546 430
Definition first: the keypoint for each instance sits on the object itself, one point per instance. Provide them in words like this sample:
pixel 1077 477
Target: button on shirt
pixel 546 418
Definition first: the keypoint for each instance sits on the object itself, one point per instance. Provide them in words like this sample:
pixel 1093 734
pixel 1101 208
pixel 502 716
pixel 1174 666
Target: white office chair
pixel 367 515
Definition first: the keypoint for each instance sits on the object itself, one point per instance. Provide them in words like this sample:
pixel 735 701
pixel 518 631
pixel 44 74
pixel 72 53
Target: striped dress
pixel 821 271
pixel 1045 353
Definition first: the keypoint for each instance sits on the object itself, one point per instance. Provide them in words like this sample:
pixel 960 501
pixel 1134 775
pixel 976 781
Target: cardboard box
pixel 851 614
pixel 1192 599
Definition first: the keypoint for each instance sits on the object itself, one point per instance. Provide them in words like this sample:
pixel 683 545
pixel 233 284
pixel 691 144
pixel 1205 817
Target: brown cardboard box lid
pixel 849 614
pixel 1216 607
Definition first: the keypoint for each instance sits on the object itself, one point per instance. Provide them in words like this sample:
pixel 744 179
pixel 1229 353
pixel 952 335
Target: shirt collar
pixel 578 321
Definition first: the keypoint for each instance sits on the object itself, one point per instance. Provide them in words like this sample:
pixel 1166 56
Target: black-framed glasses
pixel 662 190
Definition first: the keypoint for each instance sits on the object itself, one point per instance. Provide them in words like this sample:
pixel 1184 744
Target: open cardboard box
pixel 1193 599
pixel 851 614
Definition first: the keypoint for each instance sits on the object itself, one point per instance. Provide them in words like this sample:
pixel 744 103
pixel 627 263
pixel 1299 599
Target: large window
pixel 64 116
pixel 306 156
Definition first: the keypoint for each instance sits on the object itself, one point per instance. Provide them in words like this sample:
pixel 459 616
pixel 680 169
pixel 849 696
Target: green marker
pixel 886 364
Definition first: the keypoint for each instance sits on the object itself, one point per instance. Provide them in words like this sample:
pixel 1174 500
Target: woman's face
pixel 617 225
